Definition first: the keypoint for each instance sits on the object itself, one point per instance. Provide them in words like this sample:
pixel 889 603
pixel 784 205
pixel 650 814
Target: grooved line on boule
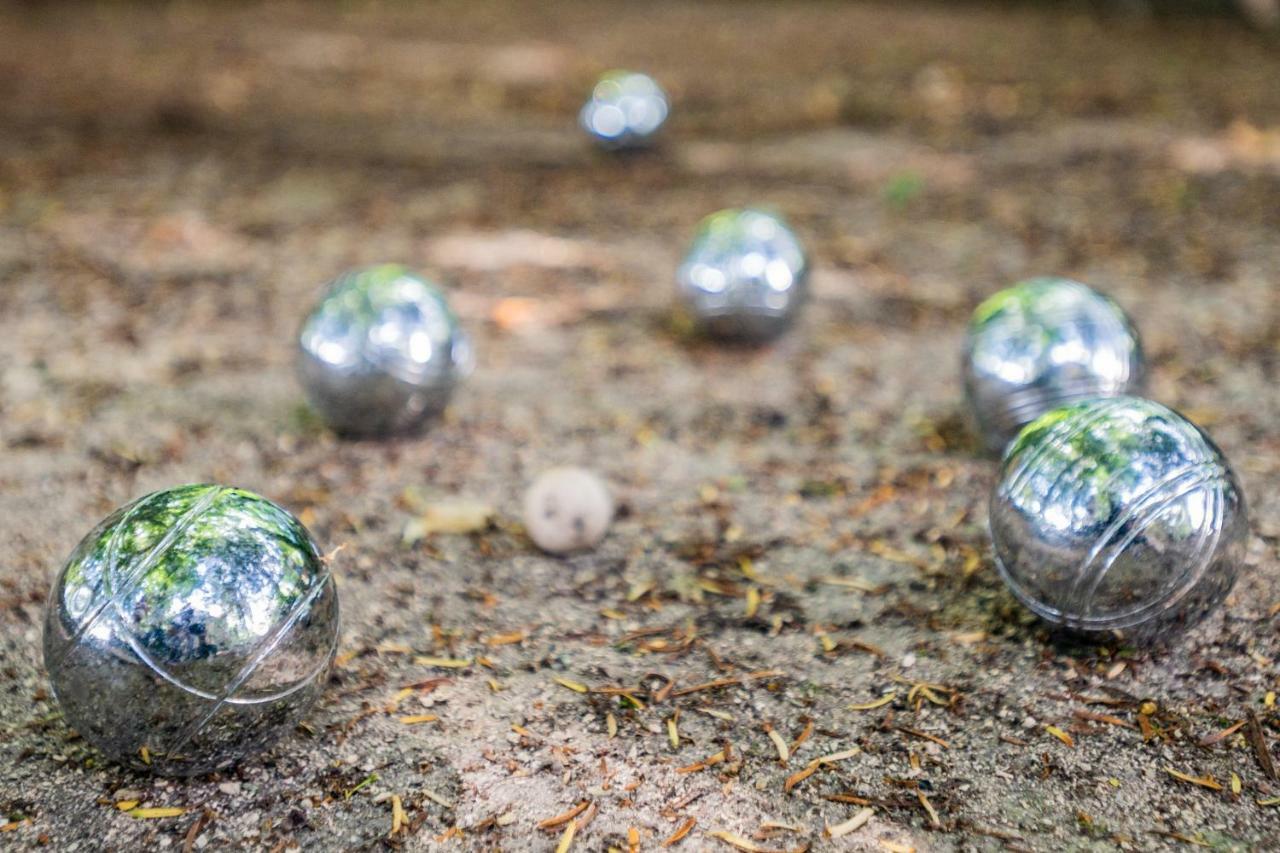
pixel 1181 482
pixel 146 657
pixel 1062 433
pixel 1206 546
pixel 1185 481
pixel 265 647
pixel 1069 474
pixel 1038 400
pixel 139 571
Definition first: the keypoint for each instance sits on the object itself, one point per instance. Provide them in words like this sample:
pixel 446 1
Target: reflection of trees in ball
pixel 1043 343
pixel 202 612
pixel 381 352
pixel 744 277
pixel 1115 513
pixel 626 109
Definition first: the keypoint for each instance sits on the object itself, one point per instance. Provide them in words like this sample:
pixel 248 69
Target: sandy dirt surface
pixel 800 567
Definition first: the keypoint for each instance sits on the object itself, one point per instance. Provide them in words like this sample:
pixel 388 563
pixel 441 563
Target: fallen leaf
pixel 851 825
pixel 158 812
pixel 454 517
pixel 1205 781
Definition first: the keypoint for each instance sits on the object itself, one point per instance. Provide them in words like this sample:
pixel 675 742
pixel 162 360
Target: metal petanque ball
pixel 381 353
pixel 626 110
pixel 1118 515
pixel 1043 343
pixel 744 277
pixel 190 629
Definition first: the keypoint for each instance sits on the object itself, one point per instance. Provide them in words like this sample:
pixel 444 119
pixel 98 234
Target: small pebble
pixel 567 509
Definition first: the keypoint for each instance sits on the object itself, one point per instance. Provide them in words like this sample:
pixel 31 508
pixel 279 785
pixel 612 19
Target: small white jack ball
pixel 567 509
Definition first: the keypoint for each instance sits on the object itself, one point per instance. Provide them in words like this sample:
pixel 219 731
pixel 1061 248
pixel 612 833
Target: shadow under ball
pixel 744 277
pixel 191 629
pixel 1118 515
pixel 381 353
pixel 1040 344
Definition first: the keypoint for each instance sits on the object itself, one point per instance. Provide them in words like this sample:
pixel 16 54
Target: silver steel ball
pixel 1044 343
pixel 745 276
pixel 1118 515
pixel 381 353
pixel 190 629
pixel 626 109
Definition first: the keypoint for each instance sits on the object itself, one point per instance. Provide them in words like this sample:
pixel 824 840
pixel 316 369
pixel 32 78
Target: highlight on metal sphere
pixel 745 276
pixel 191 629
pixel 381 353
pixel 1118 515
pixel 626 109
pixel 1043 343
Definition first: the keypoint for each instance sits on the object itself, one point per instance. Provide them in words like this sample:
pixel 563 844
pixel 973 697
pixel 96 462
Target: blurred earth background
pixel 800 568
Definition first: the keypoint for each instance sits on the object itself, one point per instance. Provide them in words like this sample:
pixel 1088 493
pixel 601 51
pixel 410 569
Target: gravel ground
pixel 799 568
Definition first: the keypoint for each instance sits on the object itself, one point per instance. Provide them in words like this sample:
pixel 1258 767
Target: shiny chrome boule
pixel 626 110
pixel 744 277
pixel 1118 515
pixel 191 629
pixel 381 353
pixel 1044 343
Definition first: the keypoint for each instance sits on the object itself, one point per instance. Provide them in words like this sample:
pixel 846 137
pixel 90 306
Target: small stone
pixel 567 509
